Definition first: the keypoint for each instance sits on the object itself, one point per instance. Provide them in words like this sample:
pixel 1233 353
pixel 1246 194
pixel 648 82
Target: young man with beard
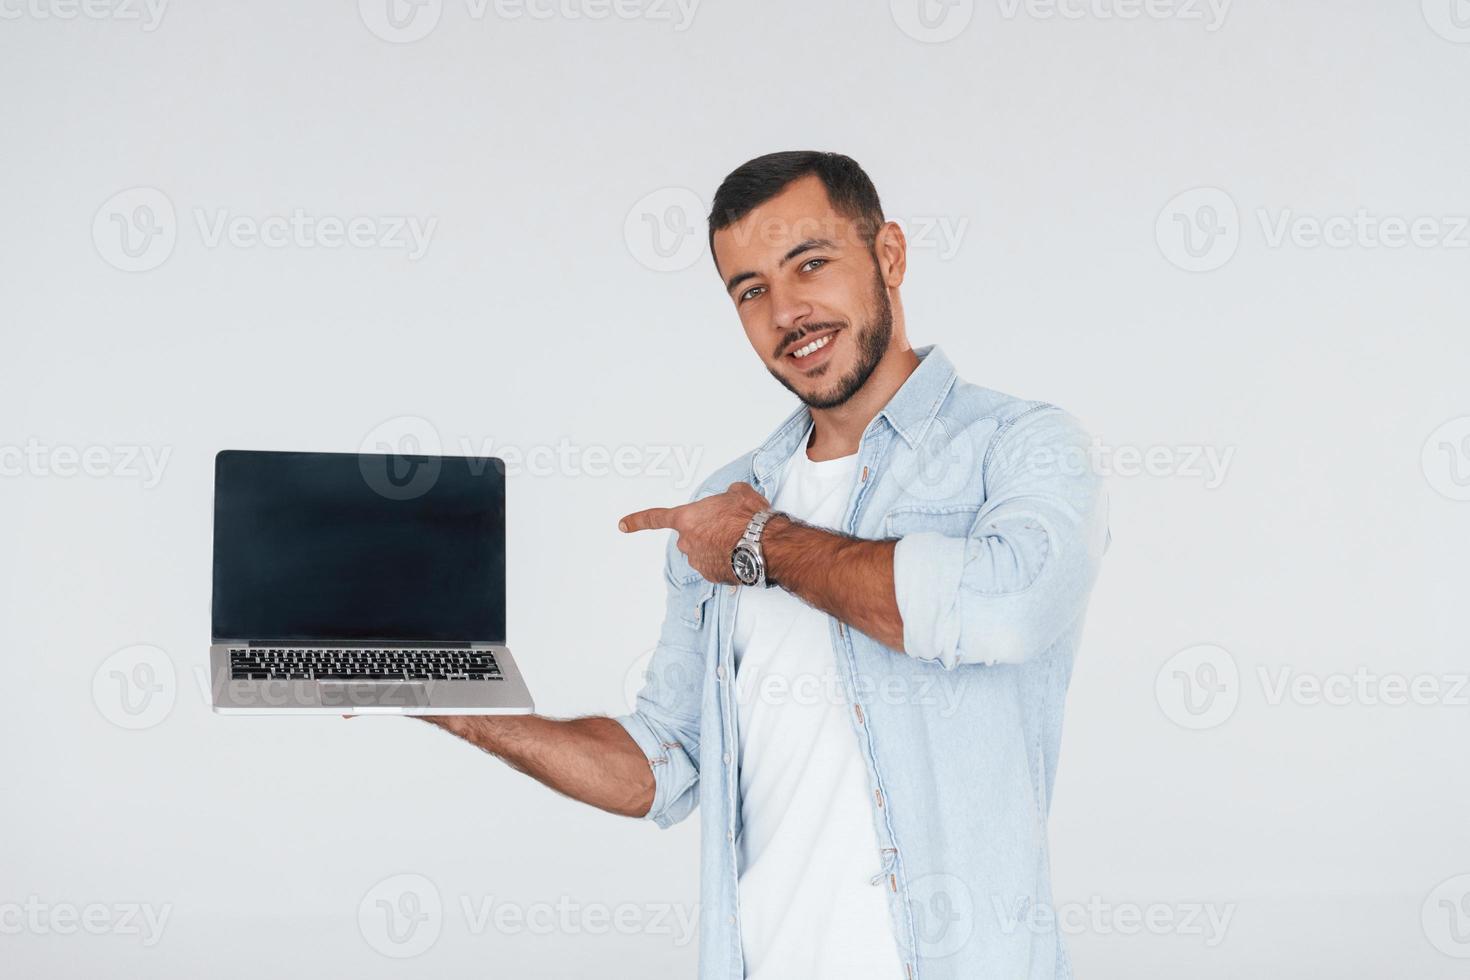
pixel 870 629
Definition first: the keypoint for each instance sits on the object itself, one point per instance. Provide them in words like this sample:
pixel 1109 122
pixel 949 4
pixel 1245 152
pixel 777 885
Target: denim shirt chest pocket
pixel 693 606
pixel 951 520
pixel 695 593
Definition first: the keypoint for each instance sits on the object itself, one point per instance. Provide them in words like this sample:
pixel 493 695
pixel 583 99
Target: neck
pixel 837 431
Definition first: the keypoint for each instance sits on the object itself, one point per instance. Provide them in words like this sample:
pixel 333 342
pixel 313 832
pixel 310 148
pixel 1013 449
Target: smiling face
pixel 806 284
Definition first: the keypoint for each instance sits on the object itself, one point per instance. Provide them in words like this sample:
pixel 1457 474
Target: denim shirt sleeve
pixel 665 722
pixel 1007 590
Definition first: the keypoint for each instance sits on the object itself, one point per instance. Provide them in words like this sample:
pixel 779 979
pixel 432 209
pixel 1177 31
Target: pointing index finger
pixel 648 520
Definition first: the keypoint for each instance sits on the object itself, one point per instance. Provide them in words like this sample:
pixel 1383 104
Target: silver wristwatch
pixel 747 560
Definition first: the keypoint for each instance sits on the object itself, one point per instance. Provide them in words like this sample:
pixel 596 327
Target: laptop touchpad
pixel 382 694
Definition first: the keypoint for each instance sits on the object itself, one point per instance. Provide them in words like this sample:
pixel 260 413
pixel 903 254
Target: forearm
pixel 849 578
pixel 589 759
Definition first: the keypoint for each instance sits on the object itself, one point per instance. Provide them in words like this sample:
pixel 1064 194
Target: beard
pixel 872 339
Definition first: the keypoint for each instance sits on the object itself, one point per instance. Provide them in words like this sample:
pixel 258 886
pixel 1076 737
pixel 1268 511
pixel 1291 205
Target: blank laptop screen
pixel 341 546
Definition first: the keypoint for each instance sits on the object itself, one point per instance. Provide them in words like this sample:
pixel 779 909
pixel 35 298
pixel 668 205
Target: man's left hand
pixel 708 529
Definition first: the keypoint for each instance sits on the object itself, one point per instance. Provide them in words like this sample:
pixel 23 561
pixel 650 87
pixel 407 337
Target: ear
pixel 891 249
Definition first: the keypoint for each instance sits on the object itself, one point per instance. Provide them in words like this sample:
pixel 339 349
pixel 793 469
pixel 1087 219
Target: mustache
pixel 795 337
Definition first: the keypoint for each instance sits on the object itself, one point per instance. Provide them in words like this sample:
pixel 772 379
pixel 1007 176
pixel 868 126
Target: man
pixel 870 629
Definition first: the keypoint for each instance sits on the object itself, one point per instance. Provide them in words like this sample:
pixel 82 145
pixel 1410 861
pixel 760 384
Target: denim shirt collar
pixel 909 412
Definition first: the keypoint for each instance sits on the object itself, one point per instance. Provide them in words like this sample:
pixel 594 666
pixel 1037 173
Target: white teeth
pixel 814 345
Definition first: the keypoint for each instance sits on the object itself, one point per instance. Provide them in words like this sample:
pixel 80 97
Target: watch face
pixel 743 562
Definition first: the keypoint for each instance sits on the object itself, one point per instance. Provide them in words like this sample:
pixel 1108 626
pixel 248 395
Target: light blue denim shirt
pixel 1001 523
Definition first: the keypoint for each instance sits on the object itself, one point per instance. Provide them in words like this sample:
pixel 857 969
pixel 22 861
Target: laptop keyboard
pixel 359 664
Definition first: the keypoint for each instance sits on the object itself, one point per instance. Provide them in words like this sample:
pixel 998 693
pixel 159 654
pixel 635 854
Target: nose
pixel 789 310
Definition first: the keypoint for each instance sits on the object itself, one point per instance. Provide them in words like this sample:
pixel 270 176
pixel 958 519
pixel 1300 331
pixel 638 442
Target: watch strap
pixel 757 524
pixel 752 537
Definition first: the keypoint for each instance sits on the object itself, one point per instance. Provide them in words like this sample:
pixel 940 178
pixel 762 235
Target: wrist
pixel 773 541
pixel 748 557
pixel 445 722
pixel 779 523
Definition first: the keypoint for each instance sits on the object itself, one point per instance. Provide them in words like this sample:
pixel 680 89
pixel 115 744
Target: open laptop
pixel 348 583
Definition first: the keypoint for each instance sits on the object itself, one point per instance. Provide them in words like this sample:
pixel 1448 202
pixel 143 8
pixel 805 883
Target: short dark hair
pixel 755 182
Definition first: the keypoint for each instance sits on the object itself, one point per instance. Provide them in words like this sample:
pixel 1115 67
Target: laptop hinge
pixel 344 644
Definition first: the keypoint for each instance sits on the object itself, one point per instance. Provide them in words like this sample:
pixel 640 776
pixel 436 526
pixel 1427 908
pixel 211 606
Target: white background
pixel 542 315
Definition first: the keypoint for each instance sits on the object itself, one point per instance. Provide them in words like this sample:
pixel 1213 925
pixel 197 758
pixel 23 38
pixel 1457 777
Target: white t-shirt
pixel 808 849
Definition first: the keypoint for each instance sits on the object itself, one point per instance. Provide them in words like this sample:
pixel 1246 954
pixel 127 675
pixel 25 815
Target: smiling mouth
pixel 813 350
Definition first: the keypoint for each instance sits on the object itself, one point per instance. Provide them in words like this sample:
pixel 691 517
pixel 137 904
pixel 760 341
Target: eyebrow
pixel 805 246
